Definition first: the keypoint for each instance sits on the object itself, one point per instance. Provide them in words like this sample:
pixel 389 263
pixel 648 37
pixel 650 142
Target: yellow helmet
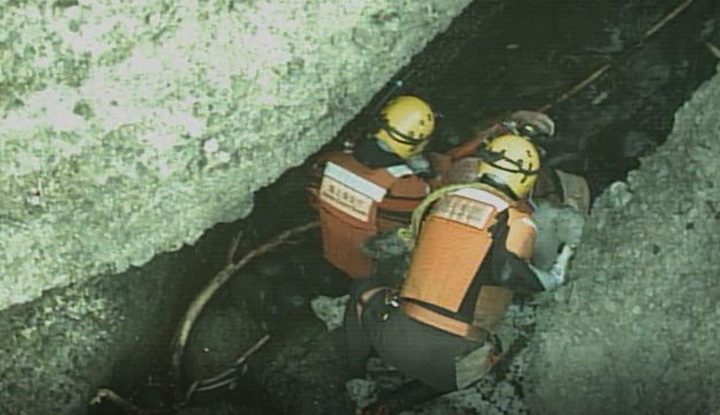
pixel 406 124
pixel 510 161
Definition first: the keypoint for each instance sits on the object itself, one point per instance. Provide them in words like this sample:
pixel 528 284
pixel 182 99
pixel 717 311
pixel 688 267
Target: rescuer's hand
pixel 562 262
pixel 555 277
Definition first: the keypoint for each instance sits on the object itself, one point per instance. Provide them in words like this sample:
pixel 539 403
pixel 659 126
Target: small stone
pixel 33 200
pixel 223 157
pixel 620 194
pixel 330 310
pixel 210 146
pixel 600 98
pixel 361 391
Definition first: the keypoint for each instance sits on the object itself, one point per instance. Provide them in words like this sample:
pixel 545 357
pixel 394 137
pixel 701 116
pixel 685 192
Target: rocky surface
pixel 55 352
pixel 118 117
pixel 639 333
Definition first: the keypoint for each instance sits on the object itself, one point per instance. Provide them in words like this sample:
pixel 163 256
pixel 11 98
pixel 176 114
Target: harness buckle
pixel 390 300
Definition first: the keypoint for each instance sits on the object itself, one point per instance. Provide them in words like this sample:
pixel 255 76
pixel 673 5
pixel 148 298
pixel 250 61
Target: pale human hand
pixel 555 276
pixel 562 262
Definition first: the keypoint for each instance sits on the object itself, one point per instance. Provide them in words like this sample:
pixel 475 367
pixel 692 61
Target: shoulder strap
pixel 409 234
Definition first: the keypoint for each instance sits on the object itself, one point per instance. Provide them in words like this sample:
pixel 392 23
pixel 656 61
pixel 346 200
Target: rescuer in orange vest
pixel 471 254
pixel 374 187
pixel 553 185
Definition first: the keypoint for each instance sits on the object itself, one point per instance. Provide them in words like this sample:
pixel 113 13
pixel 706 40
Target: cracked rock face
pixel 117 118
pixel 639 333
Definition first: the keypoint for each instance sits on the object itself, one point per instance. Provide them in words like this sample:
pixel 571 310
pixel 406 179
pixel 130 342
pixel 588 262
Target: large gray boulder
pixel 639 332
pixel 128 128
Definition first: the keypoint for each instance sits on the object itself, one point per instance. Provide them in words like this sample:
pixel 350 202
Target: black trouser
pixel 357 344
pixel 419 351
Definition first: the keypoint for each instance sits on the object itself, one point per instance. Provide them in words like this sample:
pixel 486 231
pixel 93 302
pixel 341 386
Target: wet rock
pixel 330 310
pixel 362 392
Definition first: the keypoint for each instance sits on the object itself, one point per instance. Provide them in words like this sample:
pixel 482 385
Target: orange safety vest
pixel 356 202
pixel 453 242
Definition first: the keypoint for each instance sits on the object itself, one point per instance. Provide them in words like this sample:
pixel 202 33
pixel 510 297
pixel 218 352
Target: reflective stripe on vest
pixel 349 196
pixel 355 182
pixel 483 196
pixel 353 194
pixel 400 170
pixel 349 193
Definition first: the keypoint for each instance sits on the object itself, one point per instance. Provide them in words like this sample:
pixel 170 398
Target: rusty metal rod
pixel 603 69
pixel 260 343
pixel 713 49
pixel 576 88
pixel 127 406
pixel 196 307
pixel 668 17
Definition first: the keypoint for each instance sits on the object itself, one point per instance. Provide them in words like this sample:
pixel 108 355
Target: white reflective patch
pixel 345 199
pixel 465 210
pixel 483 196
pixel 355 182
pixel 399 170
